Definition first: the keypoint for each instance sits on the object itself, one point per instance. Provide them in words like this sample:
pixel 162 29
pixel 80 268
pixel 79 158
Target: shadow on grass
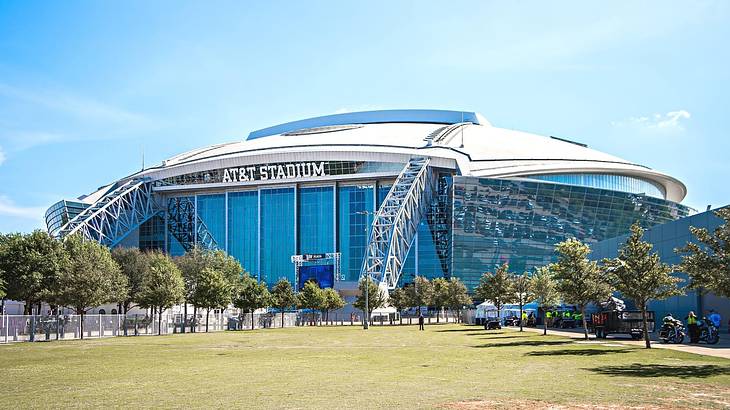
pixel 531 343
pixel 577 352
pixel 468 329
pixel 659 370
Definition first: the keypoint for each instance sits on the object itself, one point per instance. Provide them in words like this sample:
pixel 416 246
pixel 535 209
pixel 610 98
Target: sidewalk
pixel 721 349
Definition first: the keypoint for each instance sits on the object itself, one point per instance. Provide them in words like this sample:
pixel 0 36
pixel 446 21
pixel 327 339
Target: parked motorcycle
pixel 708 332
pixel 672 333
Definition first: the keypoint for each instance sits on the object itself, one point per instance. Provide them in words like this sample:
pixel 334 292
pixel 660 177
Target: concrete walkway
pixel 721 349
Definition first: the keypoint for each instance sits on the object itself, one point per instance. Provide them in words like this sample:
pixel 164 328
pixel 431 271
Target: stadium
pixel 390 194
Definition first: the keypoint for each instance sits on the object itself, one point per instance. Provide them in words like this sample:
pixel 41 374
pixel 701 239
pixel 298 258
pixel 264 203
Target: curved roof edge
pixel 374 117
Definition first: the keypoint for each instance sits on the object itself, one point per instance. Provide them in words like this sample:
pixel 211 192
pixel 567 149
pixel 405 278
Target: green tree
pixel 544 288
pixel 191 264
pixel 457 296
pixel 496 287
pixel 213 290
pixel 31 264
pixel 521 292
pixel 376 298
pixel 226 264
pixel 251 295
pixel 420 293
pixel 638 274
pixel 162 286
pixel 398 298
pixel 440 295
pixel 89 277
pixel 332 301
pixel 283 297
pixel 580 281
pixel 311 297
pixel 708 263
pixel 133 264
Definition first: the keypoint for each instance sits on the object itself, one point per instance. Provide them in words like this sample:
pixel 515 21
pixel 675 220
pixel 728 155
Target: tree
pixel 213 290
pixel 376 298
pixel 283 297
pixel 496 287
pixel 420 293
pixel 522 294
pixel 440 295
pixel 708 263
pixel 31 264
pixel 457 296
pixel 227 265
pixel 580 281
pixel 332 301
pixel 162 286
pixel 89 277
pixel 544 289
pixel 191 264
pixel 311 297
pixel 398 298
pixel 133 264
pixel 638 274
pixel 251 295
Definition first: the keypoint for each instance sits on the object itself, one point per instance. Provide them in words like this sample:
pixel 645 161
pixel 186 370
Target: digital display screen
pixel 323 275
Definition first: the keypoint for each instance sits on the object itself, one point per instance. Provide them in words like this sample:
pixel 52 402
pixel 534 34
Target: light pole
pixel 366 321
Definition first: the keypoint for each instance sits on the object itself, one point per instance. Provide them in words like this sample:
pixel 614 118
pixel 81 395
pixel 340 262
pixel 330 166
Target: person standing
pixel 694 334
pixel 420 321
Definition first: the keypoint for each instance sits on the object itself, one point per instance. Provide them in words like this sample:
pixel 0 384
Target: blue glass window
pixel 621 183
pixel 243 229
pixel 353 227
pixel 211 210
pixel 316 220
pixel 277 235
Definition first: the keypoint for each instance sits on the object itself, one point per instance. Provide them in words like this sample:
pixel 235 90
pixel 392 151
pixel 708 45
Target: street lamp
pixel 366 322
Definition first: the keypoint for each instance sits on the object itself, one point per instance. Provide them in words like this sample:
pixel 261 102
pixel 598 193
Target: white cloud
pixel 2 156
pixel 671 122
pixel 11 209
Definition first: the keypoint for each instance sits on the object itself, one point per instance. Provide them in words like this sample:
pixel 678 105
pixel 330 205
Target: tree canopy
pixel 213 291
pixel 376 297
pixel 162 285
pixel 133 264
pixel 496 287
pixel 331 301
pixel 708 262
pixel 580 281
pixel 283 297
pixel 521 292
pixel 638 274
pixel 544 289
pixel 250 295
pixel 456 295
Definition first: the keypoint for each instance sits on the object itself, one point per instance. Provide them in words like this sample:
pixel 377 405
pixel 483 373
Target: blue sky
pixel 86 86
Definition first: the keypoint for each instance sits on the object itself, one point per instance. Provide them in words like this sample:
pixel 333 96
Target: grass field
pixel 450 366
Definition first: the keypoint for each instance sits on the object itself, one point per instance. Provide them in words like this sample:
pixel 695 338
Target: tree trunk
pixel 195 319
pixel 81 312
pixel 645 326
pixel 544 327
pixel 252 310
pixel 207 315
pixel 438 313
pixel 159 321
pixel 282 317
pixel 185 317
pixel 521 316
pixel 585 324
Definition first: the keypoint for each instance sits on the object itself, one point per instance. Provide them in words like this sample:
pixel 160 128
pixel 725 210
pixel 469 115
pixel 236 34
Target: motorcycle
pixel 672 333
pixel 708 332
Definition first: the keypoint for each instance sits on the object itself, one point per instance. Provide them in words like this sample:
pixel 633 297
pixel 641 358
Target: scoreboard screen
pixel 323 275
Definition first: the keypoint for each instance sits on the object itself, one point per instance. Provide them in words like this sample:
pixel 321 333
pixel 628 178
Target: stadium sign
pixel 294 170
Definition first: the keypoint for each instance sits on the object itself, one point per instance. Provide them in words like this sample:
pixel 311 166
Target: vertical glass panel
pixel 277 235
pixel 243 229
pixel 212 212
pixel 353 227
pixel 316 220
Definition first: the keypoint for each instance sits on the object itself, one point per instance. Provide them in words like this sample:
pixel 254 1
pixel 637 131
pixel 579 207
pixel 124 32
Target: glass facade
pixel 353 226
pixel 61 212
pixel 243 229
pixel 316 220
pixel 152 234
pixel 473 224
pixel 278 237
pixel 519 222
pixel 621 183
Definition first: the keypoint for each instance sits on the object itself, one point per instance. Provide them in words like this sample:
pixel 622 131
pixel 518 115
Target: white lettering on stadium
pixel 271 172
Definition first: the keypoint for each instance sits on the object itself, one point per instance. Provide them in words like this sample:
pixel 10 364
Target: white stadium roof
pixel 453 139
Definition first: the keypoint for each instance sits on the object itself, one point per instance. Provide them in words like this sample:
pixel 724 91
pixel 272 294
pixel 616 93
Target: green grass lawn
pixel 345 367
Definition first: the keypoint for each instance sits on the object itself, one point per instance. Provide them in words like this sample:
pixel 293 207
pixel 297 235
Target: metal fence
pixel 36 328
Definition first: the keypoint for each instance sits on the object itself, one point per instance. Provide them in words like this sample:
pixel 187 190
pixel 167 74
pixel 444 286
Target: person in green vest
pixel 694 333
pixel 523 319
pixel 549 318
